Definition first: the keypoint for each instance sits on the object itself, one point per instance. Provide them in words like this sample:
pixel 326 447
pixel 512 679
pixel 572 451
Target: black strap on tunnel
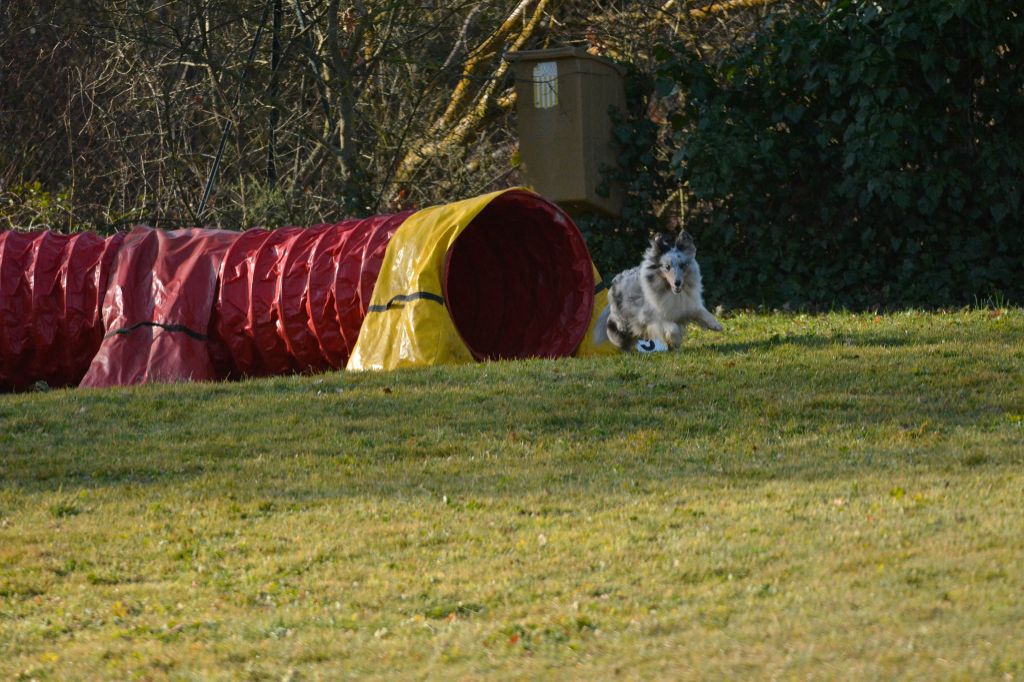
pixel 406 298
pixel 166 327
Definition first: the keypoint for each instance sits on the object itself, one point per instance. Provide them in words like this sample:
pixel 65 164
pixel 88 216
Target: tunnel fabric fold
pixel 157 309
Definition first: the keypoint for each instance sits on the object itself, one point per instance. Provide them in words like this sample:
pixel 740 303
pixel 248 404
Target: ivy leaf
pixel 1000 211
pixel 936 79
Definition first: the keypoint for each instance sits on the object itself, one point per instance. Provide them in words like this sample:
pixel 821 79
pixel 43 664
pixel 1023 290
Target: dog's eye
pixel 666 267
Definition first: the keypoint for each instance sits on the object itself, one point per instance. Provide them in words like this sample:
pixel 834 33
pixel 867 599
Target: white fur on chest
pixel 661 304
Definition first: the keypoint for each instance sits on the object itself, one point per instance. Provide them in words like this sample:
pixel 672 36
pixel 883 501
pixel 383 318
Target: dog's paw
pixel 715 326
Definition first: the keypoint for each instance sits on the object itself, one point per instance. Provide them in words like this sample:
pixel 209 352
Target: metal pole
pixel 227 125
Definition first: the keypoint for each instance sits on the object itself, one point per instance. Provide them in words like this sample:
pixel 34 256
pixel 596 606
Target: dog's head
pixel 671 258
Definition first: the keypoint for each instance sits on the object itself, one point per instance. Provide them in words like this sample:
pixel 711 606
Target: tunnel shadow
pixel 513 429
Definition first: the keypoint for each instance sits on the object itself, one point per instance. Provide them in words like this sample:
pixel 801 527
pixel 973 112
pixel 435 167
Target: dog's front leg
pixel 708 321
pixel 672 335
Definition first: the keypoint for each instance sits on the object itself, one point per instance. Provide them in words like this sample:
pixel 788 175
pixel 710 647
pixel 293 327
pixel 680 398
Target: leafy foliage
pixel 858 155
pixel 28 204
pixel 643 174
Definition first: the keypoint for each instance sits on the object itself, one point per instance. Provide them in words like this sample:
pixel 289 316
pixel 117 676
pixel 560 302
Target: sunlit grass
pixel 828 496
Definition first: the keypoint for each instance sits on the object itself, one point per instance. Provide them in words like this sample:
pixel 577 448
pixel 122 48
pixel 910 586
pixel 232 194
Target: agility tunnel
pixel 501 276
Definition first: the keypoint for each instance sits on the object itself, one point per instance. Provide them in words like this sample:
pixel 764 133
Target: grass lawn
pixel 837 496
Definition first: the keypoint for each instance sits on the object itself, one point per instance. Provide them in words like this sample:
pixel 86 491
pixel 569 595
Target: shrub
pixel 642 172
pixel 859 154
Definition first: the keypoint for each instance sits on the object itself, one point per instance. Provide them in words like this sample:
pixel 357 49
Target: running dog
pixel 656 299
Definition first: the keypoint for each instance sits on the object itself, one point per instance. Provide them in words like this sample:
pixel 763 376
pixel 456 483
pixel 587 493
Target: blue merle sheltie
pixel 655 300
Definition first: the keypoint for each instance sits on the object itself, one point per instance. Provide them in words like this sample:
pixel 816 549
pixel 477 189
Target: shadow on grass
pixel 811 342
pixel 602 426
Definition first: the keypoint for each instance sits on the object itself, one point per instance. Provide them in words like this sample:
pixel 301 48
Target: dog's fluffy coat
pixel 656 299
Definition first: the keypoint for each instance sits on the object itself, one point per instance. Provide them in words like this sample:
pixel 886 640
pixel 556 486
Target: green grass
pixel 837 496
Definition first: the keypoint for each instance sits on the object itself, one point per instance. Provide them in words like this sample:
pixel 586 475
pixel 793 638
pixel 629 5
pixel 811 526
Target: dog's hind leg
pixel 619 337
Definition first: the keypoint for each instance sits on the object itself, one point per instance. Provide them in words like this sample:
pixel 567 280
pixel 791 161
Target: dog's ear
pixel 685 243
pixel 662 243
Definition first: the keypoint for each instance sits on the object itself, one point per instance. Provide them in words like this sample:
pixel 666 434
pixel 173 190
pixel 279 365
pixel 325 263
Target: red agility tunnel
pixel 506 275
pixel 51 291
pixel 293 299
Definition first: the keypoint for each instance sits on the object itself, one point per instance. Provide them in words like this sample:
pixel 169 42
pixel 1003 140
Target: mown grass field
pixel 834 496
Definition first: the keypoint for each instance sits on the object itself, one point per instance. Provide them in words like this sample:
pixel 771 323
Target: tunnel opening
pixel 518 281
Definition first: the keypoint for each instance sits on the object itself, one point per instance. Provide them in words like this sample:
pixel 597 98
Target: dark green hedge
pixel 863 154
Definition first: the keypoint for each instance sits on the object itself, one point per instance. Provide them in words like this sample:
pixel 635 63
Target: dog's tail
pixel 600 333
